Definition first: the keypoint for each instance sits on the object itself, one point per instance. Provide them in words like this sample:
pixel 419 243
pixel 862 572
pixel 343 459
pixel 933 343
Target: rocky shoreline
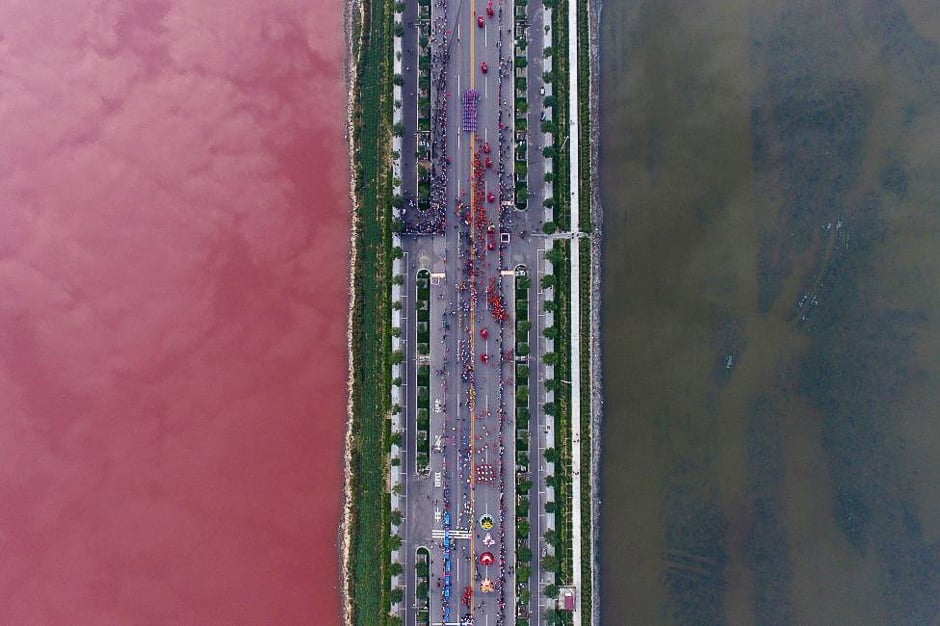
pixel 352 11
pixel 597 223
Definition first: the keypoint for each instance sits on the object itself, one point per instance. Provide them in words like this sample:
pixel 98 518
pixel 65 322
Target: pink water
pixel 173 268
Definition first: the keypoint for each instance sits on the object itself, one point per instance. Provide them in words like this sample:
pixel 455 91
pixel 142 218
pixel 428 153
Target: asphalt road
pixel 472 417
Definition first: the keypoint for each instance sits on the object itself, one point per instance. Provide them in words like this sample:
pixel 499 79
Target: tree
pixel 524 486
pixel 550 562
pixel 523 327
pixel 548 202
pixel 398 279
pixel 396 332
pixel 397 252
pixel 398 129
pixel 550 358
pixel 394 542
pixel 398 79
pixel 396 305
pixel 550 332
pixel 551 591
pixel 396 438
pixel 550 408
pixel 551 537
pixel 548 51
pixel 549 152
pixel 397 356
pixel 522 528
pixel 552 384
pixel 396 595
pixel 548 281
pixel 548 127
pixel 551 455
pixel 551 481
pixel 395 568
pixel 397 201
pixel 550 306
pixel 549 228
pixel 549 507
pixel 549 177
pixel 524 554
pixel 555 256
pixel 399 29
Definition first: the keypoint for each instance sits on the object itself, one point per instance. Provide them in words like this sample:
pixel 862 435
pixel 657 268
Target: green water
pixel 770 175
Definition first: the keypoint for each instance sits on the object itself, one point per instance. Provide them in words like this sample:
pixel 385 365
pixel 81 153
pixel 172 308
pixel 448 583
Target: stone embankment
pixel 352 12
pixel 597 223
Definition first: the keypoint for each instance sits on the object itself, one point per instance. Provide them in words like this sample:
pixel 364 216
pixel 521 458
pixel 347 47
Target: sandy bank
pixel 352 12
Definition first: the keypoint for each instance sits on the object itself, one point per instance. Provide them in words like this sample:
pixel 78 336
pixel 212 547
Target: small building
pixel 567 597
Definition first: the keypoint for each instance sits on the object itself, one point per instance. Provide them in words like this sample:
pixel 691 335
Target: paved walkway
pixel 574 182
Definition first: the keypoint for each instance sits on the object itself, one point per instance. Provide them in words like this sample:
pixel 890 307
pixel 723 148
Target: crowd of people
pixel 480 267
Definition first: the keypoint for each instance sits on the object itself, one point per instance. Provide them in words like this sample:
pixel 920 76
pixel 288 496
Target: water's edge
pixel 352 11
pixel 597 223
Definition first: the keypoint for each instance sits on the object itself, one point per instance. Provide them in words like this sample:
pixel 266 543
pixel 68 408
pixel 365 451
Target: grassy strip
pixel 370 397
pixel 423 412
pixel 584 115
pixel 422 589
pixel 562 565
pixel 587 519
pixel 560 115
